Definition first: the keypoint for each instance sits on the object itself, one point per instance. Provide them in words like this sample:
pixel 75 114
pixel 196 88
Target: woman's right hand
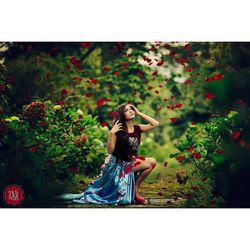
pixel 117 127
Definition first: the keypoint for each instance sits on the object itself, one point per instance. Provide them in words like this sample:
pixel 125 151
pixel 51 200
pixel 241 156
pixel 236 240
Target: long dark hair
pixel 122 148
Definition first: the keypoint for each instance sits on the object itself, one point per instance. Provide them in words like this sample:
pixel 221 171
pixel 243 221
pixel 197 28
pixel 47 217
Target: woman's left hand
pixel 137 112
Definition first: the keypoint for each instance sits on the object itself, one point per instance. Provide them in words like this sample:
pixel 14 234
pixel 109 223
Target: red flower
pixel 120 175
pixel 139 73
pixel 100 102
pixel 210 95
pixel 88 94
pixel 190 148
pixel 117 73
pixel 172 53
pixel 173 119
pixel 187 82
pixel 64 92
pixel 180 158
pixel 78 124
pixel 236 134
pixel 196 155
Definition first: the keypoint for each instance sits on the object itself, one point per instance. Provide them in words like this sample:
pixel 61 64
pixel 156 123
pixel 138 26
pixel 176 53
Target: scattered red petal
pixel 178 105
pixel 189 69
pixel 173 119
pixel 85 44
pixel 196 155
pixel 236 134
pixel 100 102
pixel 219 151
pixel 64 92
pixel 103 124
pixel 217 77
pixel 209 95
pixel 160 63
pixel 172 53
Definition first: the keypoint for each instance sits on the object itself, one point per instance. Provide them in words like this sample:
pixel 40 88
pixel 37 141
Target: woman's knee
pixel 152 162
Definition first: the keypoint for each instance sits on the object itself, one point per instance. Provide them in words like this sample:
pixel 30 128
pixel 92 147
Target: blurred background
pixel 58 100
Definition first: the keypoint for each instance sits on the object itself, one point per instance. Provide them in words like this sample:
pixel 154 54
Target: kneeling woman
pixel 123 171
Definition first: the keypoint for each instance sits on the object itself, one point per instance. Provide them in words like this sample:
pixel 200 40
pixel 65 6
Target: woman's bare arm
pixel 111 142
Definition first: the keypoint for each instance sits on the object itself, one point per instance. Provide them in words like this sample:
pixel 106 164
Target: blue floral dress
pixel 116 182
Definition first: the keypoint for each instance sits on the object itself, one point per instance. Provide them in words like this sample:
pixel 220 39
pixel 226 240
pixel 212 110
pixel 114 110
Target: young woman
pixel 123 170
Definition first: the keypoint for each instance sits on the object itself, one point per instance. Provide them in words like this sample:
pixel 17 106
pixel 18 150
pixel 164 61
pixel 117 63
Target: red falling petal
pixel 219 151
pixel 103 124
pixel 60 102
pixel 64 92
pixel 172 53
pixel 173 119
pixel 217 77
pixel 236 134
pixel 209 95
pixel 160 63
pixel 88 94
pixel 178 105
pixel 85 44
pixel 100 102
pixel 180 158
pixel 189 69
pixel 240 101
pixel 196 155
pixel 113 114
pixel 242 142
pixel 187 46
pixel 93 81
pixel 187 82
pixel 140 158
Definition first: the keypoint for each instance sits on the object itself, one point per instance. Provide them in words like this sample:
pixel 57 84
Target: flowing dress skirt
pixel 114 185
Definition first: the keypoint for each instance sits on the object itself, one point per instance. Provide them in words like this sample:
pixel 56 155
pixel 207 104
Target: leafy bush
pixel 51 148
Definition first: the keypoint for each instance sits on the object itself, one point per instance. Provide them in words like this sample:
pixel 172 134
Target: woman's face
pixel 129 112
